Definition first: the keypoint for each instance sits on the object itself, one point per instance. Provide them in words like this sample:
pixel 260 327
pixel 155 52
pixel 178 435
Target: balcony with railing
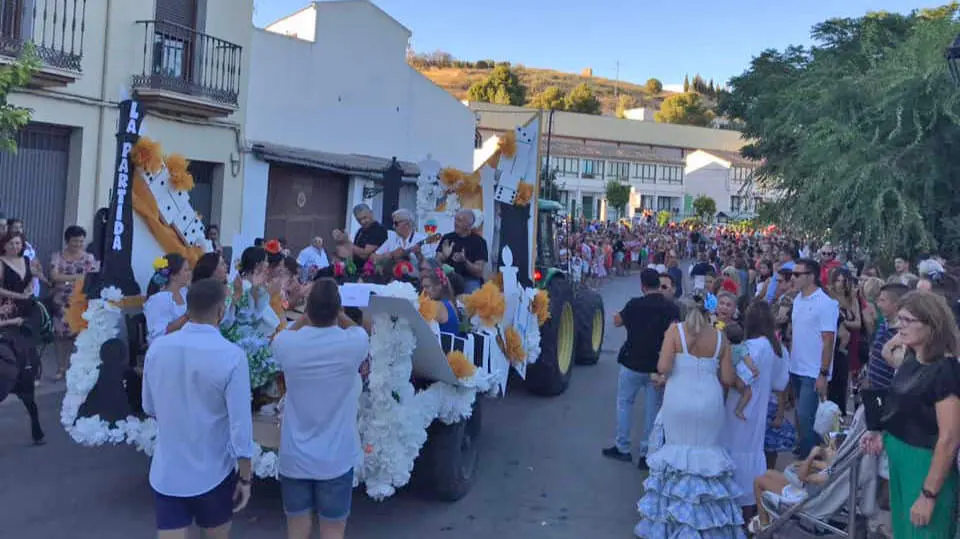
pixel 188 72
pixel 55 30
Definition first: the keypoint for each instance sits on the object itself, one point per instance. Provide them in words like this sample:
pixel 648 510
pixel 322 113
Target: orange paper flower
pixel 513 348
pixel 451 177
pixel 180 177
pixel 498 280
pixel 540 306
pixel 461 366
pixel 428 307
pixel 469 185
pixel 147 155
pixel 76 306
pixel 487 304
pixel 524 194
pixel 508 144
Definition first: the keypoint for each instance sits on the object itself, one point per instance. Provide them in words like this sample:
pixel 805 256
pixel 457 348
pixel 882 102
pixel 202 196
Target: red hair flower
pixel 339 269
pixel 402 269
pixel 273 247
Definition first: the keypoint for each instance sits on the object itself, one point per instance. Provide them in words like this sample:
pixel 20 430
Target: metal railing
pixel 182 60
pixel 54 27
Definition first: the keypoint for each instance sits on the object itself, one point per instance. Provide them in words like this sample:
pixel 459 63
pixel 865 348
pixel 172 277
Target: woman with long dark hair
pixel 848 333
pixel 17 310
pixel 744 438
pixel 166 305
pixel 254 321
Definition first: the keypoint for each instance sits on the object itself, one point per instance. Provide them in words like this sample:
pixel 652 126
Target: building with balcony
pixel 332 101
pixel 183 59
pixel 667 166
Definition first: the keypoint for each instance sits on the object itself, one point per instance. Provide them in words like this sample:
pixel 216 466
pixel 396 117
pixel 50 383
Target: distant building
pixel 666 165
pixel 641 114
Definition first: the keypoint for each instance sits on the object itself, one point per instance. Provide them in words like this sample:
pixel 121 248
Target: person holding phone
pixel 196 384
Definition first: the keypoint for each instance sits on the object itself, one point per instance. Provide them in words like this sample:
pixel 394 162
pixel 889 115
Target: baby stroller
pixel 841 507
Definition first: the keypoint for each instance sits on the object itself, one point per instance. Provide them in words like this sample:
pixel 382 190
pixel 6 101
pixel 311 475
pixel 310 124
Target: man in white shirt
pixel 312 259
pixel 402 240
pixel 320 357
pixel 815 317
pixel 197 386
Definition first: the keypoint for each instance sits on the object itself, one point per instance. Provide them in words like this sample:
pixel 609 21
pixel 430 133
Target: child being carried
pixel 747 371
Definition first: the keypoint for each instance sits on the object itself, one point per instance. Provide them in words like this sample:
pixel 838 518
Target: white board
pixel 429 361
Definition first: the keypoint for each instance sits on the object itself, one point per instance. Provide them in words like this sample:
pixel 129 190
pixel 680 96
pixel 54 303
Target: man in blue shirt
pixel 787 261
pixel 879 372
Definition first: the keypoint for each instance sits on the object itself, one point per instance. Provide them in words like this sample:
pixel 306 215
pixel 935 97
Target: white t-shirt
pixel 812 315
pixel 394 242
pixel 319 438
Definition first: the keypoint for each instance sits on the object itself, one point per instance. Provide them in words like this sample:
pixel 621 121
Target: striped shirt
pixel 880 373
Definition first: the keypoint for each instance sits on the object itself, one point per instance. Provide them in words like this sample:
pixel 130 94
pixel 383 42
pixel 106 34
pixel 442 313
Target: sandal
pixel 755 527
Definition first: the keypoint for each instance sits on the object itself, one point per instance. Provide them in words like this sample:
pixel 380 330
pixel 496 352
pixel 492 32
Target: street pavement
pixel 541 476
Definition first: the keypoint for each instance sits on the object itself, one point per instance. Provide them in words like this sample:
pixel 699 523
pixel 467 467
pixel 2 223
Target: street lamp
pixel 953 60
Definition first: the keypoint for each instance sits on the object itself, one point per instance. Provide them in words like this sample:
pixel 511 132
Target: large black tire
pixel 447 466
pixel 591 324
pixel 550 375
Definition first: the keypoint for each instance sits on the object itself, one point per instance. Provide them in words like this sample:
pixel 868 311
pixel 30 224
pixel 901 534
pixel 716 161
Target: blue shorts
pixel 210 510
pixel 330 499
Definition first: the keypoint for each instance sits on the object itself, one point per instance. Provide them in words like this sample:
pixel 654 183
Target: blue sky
pixel 663 39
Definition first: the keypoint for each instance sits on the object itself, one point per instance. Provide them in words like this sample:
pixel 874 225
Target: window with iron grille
pixel 618 169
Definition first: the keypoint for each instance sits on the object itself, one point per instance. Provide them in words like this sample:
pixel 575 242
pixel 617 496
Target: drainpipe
pixel 103 101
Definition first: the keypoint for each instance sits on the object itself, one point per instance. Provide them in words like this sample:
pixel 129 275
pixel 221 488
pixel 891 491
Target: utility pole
pixel 616 88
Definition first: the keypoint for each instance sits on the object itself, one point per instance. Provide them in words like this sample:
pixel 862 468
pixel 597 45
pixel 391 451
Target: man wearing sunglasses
pixel 815 316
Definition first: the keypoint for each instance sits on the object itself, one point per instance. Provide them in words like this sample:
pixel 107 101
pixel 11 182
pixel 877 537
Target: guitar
pixel 429 240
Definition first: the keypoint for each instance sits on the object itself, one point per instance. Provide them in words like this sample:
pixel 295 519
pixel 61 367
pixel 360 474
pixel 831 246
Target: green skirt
pixel 908 469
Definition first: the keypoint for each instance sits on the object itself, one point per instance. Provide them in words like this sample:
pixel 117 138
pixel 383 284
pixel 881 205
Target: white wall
pixel 707 175
pixel 352 92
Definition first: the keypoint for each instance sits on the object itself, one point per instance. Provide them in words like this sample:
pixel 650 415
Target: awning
pixel 348 164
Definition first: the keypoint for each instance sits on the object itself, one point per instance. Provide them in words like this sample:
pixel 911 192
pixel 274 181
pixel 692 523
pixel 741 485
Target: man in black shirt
pixel 646 319
pixel 465 251
pixel 367 240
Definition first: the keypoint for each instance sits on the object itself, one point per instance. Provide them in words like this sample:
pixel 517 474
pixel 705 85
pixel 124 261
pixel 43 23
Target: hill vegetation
pixel 551 89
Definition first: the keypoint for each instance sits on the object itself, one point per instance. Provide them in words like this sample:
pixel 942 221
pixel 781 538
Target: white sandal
pixel 755 527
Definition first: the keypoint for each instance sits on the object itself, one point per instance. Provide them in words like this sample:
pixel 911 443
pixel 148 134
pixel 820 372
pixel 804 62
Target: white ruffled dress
pixel 690 493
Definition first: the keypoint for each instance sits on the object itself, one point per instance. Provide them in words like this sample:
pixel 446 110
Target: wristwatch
pixel 927 494
pixel 824 372
pixel 244 482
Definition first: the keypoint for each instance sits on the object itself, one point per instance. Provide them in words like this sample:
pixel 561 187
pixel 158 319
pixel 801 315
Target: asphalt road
pixel 542 475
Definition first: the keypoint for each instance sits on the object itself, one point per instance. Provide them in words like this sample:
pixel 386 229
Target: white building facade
pixel 185 60
pixel 332 102
pixel 666 166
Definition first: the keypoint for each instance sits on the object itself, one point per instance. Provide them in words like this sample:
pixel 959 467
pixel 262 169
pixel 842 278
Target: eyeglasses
pixel 395 222
pixel 829 253
pixel 907 320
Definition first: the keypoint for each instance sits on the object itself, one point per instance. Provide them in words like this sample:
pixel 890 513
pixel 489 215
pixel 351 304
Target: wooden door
pixel 303 203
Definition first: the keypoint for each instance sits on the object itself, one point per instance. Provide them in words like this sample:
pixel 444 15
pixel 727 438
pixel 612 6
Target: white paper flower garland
pixel 103 322
pixel 393 417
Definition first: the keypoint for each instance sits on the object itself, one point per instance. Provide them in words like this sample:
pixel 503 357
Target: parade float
pixel 420 409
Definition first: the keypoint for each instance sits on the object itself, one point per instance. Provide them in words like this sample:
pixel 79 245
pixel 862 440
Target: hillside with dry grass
pixel 457 81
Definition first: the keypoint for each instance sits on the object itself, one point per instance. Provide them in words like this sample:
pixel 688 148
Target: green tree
pixel 551 98
pixel 654 86
pixel 618 196
pixel 624 103
pixel 502 87
pixel 12 77
pixel 854 132
pixel 686 109
pixel 686 83
pixel 711 89
pixel 705 208
pixel 581 99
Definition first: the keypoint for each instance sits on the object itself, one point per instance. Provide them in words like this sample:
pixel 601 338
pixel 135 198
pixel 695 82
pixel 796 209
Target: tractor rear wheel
pixel 550 375
pixel 591 323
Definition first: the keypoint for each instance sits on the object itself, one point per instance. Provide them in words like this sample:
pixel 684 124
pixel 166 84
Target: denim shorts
pixel 330 499
pixel 209 510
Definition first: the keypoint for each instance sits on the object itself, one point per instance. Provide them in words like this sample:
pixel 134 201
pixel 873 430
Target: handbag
pixel 873 405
